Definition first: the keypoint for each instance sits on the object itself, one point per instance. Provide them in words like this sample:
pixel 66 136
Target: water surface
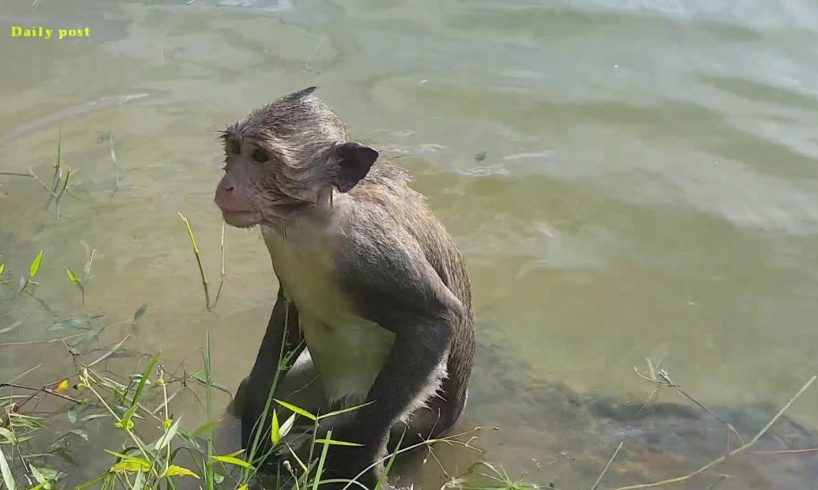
pixel 627 180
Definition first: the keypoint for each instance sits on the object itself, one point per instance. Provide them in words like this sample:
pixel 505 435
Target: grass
pixel 152 438
pixel 138 409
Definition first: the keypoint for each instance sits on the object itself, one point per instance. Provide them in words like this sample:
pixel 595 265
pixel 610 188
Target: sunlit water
pixel 626 179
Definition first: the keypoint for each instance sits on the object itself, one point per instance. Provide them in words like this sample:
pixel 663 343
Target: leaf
pixel 344 410
pixel 299 411
pixel 206 427
pixel 275 433
pixel 125 424
pixel 131 465
pixel 145 375
pixel 232 460
pixel 95 416
pixel 139 481
pixel 168 436
pixel 332 442
pixel 41 479
pixel 2 269
pixel 92 482
pixel 174 470
pixel 50 474
pixel 35 265
pixel 5 471
pixel 72 277
pixel 118 455
pixel 11 327
pixel 62 385
pixel 10 436
pixel 321 460
pixel 80 433
pixel 140 313
pixel 70 324
pixel 192 442
pixel 110 352
pixel 72 415
pixel 287 425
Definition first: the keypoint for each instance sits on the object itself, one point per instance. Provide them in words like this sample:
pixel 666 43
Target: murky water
pixel 627 179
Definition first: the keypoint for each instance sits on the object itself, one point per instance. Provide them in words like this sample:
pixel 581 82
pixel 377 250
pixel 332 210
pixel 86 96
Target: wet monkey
pixel 373 292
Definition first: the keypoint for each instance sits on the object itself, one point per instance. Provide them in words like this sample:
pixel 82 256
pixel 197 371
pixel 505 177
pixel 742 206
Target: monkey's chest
pixel 348 351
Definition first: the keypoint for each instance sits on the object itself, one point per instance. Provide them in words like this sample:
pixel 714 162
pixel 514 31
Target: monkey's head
pixel 286 157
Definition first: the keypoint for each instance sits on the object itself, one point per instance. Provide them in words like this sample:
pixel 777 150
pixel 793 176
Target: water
pixel 626 180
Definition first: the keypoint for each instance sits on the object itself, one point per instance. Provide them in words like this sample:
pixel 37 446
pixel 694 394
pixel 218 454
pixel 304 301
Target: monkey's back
pixel 388 186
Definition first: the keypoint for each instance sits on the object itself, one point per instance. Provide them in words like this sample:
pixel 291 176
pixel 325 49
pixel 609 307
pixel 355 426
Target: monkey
pixel 373 290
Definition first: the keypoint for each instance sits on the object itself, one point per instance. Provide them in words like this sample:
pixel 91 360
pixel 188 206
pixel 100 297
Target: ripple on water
pixel 265 5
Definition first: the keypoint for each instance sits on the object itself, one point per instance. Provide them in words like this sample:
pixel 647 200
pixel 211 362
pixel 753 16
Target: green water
pixel 626 179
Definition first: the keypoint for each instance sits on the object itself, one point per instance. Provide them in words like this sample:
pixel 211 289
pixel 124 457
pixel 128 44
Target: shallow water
pixel 626 179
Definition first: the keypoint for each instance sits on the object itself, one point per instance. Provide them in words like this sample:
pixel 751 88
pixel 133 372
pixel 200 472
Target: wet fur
pixel 357 252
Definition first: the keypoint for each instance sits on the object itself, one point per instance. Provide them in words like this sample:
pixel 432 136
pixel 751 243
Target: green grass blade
pixel 299 411
pixel 344 410
pixel 110 352
pixel 275 433
pixel 11 327
pixel 232 460
pixel 35 265
pixel 92 482
pixel 209 474
pixel 382 482
pixel 72 277
pixel 168 436
pixel 207 427
pixel 139 481
pixel 332 442
pixel 141 386
pixel 287 426
pixel 5 471
pixel 321 461
pixel 139 313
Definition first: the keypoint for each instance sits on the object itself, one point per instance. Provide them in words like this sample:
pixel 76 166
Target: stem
pixel 198 259
pixel 725 457
pixel 37 391
pixel 118 419
pixel 607 466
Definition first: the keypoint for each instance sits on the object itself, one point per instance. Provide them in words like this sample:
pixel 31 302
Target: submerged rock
pixel 545 433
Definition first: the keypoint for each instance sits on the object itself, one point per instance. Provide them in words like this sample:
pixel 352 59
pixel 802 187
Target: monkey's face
pixel 257 185
pixel 287 157
pixel 268 182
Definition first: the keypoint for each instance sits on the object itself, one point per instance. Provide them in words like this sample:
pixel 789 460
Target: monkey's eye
pixel 234 147
pixel 260 156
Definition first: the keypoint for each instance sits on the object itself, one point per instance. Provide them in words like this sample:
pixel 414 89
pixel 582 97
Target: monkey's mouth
pixel 242 219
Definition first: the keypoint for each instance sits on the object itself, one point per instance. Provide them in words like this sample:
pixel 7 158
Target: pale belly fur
pixel 348 351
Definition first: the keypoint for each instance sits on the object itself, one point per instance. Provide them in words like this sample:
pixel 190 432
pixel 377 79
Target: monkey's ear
pixel 352 162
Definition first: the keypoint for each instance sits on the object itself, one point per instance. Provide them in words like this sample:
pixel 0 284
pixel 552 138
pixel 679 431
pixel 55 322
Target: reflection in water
pixel 647 189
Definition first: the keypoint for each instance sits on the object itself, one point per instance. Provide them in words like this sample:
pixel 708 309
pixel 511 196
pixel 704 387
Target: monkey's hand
pixel 351 463
pixel 248 405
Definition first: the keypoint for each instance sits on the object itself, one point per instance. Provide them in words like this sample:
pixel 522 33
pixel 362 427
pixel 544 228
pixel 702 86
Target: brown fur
pixel 397 268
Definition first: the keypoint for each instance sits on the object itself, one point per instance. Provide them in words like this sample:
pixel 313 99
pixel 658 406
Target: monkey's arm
pixel 282 336
pixel 391 283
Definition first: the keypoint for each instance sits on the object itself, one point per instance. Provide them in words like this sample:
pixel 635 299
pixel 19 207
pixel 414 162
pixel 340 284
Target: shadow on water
pixel 544 433
pixel 553 435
